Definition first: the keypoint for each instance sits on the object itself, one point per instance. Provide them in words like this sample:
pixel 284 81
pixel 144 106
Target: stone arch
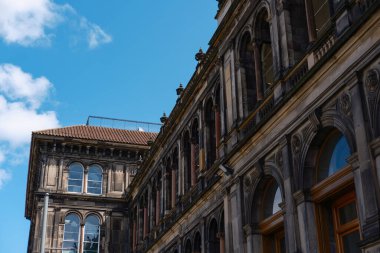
pixel 212 236
pixel 100 217
pixel 270 175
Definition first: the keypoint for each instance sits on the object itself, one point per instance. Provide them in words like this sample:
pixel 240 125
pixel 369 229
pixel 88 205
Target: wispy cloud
pixel 21 97
pixel 32 23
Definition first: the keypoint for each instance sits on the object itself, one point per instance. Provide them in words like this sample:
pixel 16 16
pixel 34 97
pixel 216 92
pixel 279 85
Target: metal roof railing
pixel 123 124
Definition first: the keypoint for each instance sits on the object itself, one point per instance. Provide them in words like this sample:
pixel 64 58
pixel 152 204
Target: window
pixel 75 181
pixel 210 133
pixel 91 235
pixel 271 226
pixel 71 234
pixel 94 180
pixel 337 218
pixel 321 11
pixel 333 155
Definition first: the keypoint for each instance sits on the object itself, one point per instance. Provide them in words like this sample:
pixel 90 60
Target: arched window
pixel 265 49
pixel 195 150
pixel 94 180
pixel 213 240
pixel 168 185
pixel 75 180
pixel 333 155
pixel 197 243
pixel 71 234
pixel 187 160
pixel 269 216
pixel 188 248
pixel 247 70
pixel 91 234
pixel 336 207
pixel 210 133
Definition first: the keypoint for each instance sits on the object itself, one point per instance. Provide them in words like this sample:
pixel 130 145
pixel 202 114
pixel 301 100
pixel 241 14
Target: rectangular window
pixel 321 16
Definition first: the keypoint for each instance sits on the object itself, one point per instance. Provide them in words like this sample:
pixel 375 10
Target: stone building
pixel 273 146
pixel 85 170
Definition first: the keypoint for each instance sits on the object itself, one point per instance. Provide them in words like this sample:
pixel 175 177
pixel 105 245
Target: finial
pixel 200 55
pixel 163 118
pixel 179 89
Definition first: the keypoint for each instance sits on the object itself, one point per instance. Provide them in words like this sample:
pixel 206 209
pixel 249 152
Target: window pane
pixel 91 235
pixel 71 234
pixel 350 242
pixel 339 156
pixel 347 213
pixel 75 178
pixel 321 15
pixel 277 201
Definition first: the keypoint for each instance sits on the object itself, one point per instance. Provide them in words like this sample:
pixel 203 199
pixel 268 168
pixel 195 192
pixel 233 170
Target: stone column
pixel 174 188
pixel 158 195
pixel 145 221
pixel 306 222
pixel 220 236
pixel 310 20
pixel 193 162
pixel 259 78
pixel 249 237
pixel 364 173
pixel 227 220
pixel 134 237
pixel 217 129
pixel 290 215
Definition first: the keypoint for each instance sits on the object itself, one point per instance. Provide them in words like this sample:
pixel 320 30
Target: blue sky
pixel 61 61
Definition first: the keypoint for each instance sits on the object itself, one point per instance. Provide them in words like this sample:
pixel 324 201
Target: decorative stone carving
pixel 345 103
pixel 296 143
pixel 372 80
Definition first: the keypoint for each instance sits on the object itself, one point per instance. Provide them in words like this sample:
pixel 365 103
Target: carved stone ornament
pixel 345 103
pixel 372 80
pixel 296 144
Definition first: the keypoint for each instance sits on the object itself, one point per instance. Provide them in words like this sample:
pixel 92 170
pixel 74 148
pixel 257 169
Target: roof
pixel 101 134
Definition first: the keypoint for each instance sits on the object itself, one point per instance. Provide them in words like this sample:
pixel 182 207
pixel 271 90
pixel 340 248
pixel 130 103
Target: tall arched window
pixel 247 70
pixel 265 49
pixel 213 240
pixel 321 10
pixel 195 151
pixel 188 247
pixel 94 180
pixel 269 216
pixel 91 234
pixel 75 180
pixel 187 160
pixel 336 207
pixel 71 234
pixel 197 243
pixel 210 133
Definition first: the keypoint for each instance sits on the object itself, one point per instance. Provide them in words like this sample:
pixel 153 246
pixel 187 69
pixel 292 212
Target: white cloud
pixel 31 22
pixel 4 176
pixel 16 84
pixel 21 97
pixel 95 35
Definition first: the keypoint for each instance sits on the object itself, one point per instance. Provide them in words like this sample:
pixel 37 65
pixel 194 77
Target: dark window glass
pixel 350 242
pixel 321 15
pixel 347 213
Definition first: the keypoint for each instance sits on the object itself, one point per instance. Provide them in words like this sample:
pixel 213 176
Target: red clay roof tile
pixel 101 134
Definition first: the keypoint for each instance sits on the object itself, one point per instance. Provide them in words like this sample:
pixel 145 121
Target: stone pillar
pixel 364 173
pixel 158 195
pixel 290 215
pixel 306 222
pixel 310 21
pixel 217 130
pixel 145 221
pixel 249 237
pixel 193 162
pixel 174 188
pixel 220 236
pixel 134 237
pixel 227 221
pixel 259 78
